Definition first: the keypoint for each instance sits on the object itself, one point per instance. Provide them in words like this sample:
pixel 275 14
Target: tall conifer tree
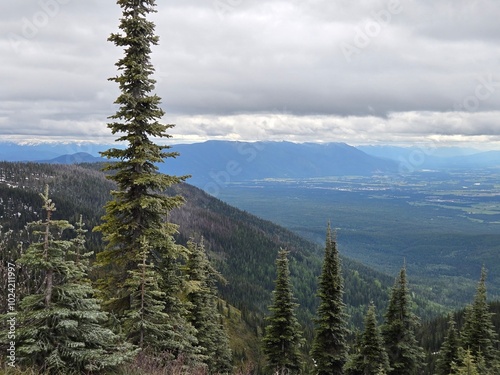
pixel 203 313
pixel 478 332
pixel 283 335
pixel 329 350
pixel 139 207
pixel 61 326
pixel 467 364
pixel 449 352
pixel 398 331
pixel 370 357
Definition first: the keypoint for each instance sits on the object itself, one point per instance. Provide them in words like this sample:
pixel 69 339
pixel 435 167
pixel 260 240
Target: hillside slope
pixel 243 246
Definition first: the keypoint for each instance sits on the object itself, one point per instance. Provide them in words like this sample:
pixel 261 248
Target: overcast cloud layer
pixel 361 72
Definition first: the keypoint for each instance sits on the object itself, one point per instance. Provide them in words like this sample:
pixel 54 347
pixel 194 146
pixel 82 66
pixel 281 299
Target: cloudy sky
pixel 361 72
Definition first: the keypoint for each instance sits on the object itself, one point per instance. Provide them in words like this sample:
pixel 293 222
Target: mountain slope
pixel 243 246
pixel 219 162
pixel 78 158
pixel 225 161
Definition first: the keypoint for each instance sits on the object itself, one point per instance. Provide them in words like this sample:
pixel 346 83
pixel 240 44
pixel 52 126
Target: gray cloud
pixel 299 70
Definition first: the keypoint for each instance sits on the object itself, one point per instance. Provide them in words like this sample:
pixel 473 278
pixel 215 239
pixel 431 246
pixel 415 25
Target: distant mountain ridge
pixel 415 158
pixel 215 164
pixel 79 157
pixel 223 162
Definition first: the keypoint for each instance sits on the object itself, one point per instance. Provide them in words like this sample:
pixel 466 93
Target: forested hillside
pixel 241 246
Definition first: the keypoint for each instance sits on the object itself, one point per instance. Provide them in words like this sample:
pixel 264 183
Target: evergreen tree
pixel 329 349
pixel 466 364
pixel 449 353
pixel 370 358
pixel 398 331
pixel 60 328
pixel 133 272
pixel 283 336
pixel 478 333
pixel 146 317
pixel 203 313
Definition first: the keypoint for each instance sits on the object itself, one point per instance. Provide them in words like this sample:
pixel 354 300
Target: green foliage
pixel 329 349
pixel 239 244
pixel 449 353
pixel 283 338
pixel 466 364
pixel 369 356
pixel 383 220
pixel 145 323
pixel 478 333
pixel 203 313
pixel 140 252
pixel 398 331
pixel 60 327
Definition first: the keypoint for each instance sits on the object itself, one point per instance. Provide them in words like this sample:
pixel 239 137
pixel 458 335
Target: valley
pixel 444 225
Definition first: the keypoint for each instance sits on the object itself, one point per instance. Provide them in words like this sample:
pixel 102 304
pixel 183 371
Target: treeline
pixel 389 349
pixel 432 333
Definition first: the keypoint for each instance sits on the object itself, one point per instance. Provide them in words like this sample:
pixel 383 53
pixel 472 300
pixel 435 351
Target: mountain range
pixel 214 164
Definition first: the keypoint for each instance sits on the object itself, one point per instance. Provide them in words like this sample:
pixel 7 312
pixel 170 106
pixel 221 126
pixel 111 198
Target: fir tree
pixel 61 326
pixel 329 349
pixel 132 272
pixel 283 336
pixel 466 365
pixel 370 358
pixel 449 353
pixel 146 317
pixel 398 331
pixel 478 333
pixel 203 313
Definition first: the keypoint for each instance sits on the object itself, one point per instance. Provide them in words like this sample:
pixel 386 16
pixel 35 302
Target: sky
pixel 401 72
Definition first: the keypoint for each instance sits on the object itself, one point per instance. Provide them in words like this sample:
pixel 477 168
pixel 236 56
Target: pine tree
pixel 203 313
pixel 449 353
pixel 283 336
pixel 329 349
pixel 478 333
pixel 370 358
pixel 398 331
pixel 139 207
pixel 61 326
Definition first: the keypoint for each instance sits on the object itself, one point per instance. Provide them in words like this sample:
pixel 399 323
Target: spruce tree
pixel 398 331
pixel 139 208
pixel 283 336
pixel 329 349
pixel 370 358
pixel 478 333
pixel 60 328
pixel 203 313
pixel 449 352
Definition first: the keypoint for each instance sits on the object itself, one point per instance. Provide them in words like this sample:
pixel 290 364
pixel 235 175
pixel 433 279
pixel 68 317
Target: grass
pixel 142 365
